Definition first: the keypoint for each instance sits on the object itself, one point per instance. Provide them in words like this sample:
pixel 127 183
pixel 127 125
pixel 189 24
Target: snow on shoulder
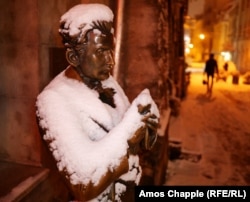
pixel 79 18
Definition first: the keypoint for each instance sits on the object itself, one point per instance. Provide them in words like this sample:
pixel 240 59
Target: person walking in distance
pixel 211 68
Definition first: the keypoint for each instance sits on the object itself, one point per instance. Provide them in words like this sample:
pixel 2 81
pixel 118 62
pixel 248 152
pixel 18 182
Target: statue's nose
pixel 109 57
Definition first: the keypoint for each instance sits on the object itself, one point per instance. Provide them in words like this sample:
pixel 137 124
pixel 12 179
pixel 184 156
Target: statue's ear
pixel 72 58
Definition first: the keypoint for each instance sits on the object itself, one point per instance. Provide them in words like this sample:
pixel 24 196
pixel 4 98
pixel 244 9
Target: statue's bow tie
pixel 106 95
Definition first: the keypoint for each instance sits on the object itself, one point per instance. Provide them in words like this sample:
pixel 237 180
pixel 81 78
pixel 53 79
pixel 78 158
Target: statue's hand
pixel 149 119
pixel 152 124
pixel 136 139
pixel 148 132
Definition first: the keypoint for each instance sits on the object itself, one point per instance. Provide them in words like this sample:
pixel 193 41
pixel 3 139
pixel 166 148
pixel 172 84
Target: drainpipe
pixel 119 25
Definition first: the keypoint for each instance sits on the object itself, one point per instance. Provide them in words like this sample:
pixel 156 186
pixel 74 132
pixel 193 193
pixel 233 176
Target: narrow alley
pixel 214 135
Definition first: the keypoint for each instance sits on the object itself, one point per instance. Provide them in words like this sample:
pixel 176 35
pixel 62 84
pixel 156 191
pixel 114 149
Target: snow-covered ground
pixel 217 128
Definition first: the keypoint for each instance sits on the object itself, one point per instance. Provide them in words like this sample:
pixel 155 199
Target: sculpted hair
pixel 78 41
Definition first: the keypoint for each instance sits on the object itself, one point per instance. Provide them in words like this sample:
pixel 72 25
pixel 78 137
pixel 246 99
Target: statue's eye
pixel 99 51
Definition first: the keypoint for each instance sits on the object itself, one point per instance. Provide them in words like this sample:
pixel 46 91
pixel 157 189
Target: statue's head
pixel 87 34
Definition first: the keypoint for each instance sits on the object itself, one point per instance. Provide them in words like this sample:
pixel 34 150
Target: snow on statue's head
pixel 79 20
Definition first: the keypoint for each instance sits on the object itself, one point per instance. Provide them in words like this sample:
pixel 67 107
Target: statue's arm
pixel 90 191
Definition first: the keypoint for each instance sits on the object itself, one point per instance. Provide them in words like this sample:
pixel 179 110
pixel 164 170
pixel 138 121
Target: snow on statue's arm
pixel 90 165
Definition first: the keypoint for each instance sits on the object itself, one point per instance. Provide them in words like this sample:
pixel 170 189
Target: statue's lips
pixel 106 69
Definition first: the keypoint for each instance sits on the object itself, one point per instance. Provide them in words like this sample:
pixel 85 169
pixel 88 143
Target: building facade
pixel 226 25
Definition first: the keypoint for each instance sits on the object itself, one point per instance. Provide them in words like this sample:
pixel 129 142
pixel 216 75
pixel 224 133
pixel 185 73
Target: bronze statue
pixel 92 130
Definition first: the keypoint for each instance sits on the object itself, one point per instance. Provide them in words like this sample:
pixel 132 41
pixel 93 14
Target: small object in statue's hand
pixel 144 109
pixel 150 138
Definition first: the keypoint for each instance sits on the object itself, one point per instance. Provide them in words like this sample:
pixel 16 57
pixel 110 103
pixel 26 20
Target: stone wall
pixel 137 66
pixel 19 55
pixel 151 53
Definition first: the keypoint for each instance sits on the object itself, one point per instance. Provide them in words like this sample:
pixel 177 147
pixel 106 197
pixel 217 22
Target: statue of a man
pixel 89 125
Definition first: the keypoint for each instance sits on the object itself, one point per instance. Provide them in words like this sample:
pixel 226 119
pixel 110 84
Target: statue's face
pixel 97 60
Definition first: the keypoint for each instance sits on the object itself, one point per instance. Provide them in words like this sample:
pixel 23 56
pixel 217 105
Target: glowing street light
pixel 190 45
pixel 187 50
pixel 202 36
